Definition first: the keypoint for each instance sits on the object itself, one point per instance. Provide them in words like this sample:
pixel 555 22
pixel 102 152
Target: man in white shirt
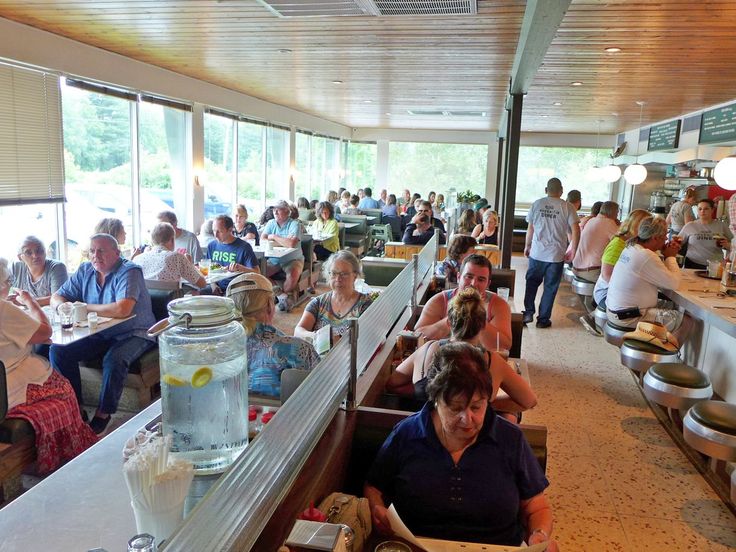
pixel 640 273
pixel 550 219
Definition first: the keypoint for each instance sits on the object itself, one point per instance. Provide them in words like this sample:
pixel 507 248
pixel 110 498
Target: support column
pixel 195 184
pixel 381 165
pixel 509 189
pixel 500 161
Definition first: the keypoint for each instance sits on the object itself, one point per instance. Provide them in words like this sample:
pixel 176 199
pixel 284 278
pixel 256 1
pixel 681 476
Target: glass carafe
pixel 204 381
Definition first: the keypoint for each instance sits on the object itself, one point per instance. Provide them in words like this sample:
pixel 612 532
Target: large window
pixel 317 165
pixel 251 167
pixel 571 165
pixel 437 167
pixel 277 164
pixel 219 174
pixel 97 153
pixel 163 163
pixel 360 165
pixel 302 165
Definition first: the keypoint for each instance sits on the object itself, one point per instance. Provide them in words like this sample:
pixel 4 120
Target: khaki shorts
pixel 670 318
pixel 292 265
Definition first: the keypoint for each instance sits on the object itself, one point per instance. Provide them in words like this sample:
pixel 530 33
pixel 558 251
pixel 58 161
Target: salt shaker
pixel 142 543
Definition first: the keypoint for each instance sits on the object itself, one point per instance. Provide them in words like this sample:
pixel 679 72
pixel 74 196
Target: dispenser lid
pixel 205 310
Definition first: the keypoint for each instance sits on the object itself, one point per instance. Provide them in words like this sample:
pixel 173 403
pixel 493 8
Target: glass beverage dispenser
pixel 204 381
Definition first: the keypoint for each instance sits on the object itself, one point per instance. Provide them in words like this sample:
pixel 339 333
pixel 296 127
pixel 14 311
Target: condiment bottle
pixel 254 426
pixel 266 417
pixel 312 513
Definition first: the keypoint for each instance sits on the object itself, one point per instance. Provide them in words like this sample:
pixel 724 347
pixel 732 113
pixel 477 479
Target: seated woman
pixel 206 235
pixel 390 210
pixel 704 237
pixel 269 350
pixel 438 207
pixel 327 229
pixel 460 247
pixel 161 262
pixel 353 209
pixel 455 470
pixel 36 274
pixel 341 303
pixel 243 228
pixel 36 393
pixel 628 229
pixel 467 317
pixel 466 222
pixel 487 233
pixel 638 276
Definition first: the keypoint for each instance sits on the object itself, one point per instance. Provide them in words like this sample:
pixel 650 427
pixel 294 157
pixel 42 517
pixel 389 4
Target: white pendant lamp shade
pixel 611 173
pixel 594 174
pixel 635 174
pixel 725 173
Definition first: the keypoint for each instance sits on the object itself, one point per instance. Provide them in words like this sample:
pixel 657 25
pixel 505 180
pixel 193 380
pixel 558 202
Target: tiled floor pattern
pixel 618 482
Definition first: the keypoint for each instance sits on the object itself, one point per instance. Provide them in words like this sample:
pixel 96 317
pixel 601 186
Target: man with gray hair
pixel 112 287
pixel 185 242
pixel 639 274
pixel 550 219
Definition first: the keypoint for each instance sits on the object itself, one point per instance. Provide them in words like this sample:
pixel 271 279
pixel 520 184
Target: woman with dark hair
pixel 326 229
pixel 353 209
pixel 466 317
pixel 594 210
pixel 390 210
pixel 704 237
pixel 460 247
pixel 266 216
pixel 302 203
pixel 466 222
pixel 455 470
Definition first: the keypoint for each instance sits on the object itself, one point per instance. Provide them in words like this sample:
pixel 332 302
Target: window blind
pixel 31 150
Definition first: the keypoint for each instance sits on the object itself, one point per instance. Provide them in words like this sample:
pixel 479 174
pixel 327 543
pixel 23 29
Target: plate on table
pixel 704 274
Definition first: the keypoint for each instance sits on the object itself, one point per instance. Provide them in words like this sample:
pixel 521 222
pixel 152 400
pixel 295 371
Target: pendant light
pixel 595 173
pixel 725 173
pixel 636 174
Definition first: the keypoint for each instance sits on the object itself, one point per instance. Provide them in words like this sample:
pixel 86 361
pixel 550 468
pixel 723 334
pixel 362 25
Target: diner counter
pixel 710 343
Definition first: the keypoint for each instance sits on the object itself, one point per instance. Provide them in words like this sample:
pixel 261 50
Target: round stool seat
pixel 639 356
pixel 600 317
pixel 676 385
pixel 710 427
pixel 582 287
pixel 567 273
pixel 614 334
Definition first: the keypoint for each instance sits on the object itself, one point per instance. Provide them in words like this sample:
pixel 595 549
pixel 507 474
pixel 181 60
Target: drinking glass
pixel 504 293
pixel 92 320
pixel 66 315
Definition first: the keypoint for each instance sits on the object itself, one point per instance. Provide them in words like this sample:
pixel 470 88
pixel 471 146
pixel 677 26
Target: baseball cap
pixel 281 204
pixel 248 282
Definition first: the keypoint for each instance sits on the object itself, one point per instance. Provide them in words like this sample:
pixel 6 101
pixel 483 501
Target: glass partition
pixel 219 178
pixel 251 168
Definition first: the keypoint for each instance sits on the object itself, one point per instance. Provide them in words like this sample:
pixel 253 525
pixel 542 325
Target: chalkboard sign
pixel 665 136
pixel 718 125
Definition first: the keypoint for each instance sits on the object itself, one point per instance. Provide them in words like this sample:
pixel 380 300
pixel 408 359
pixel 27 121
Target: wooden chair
pixel 17 445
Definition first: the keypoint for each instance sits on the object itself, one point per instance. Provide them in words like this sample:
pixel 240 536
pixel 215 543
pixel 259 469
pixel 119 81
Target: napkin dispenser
pixel 313 535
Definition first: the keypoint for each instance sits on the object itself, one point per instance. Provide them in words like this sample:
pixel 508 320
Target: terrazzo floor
pixel 617 480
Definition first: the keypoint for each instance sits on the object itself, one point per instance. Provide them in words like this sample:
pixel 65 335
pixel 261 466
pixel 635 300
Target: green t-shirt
pixel 613 251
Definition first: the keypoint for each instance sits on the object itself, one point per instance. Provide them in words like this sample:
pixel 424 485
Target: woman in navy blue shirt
pixel 455 470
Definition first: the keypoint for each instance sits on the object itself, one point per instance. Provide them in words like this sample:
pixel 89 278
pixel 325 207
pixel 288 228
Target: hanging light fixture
pixel 595 172
pixel 611 173
pixel 636 174
pixel 725 173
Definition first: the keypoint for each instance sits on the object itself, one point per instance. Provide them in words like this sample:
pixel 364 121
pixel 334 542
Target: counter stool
pixel 614 334
pixel 677 387
pixel 584 290
pixel 710 428
pixel 600 317
pixel 639 356
pixel 567 273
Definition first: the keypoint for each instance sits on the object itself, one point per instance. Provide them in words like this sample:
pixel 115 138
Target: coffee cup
pixel 80 311
pixel 269 245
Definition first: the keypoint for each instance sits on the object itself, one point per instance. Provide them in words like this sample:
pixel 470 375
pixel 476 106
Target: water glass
pixel 66 315
pixel 503 293
pixel 92 320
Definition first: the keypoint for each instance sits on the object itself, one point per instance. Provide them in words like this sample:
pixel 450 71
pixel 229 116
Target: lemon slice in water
pixel 171 379
pixel 201 376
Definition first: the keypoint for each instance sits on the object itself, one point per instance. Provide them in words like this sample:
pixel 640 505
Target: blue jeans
pixel 117 356
pixel 551 274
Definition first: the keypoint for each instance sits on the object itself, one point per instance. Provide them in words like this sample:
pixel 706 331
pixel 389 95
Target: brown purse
pixel 352 511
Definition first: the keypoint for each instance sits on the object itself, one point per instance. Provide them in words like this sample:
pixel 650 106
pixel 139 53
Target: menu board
pixel 718 125
pixel 665 136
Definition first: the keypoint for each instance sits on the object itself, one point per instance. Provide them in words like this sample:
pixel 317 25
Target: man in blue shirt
pixel 368 202
pixel 233 254
pixel 112 287
pixel 285 231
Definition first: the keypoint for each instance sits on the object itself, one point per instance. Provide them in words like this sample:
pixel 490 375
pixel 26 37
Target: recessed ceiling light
pixel 544 116
pixel 613 50
pixel 284 51
pixel 387 113
pixel 367 101
pixel 614 113
pixel 336 82
pixel 576 83
pixel 557 103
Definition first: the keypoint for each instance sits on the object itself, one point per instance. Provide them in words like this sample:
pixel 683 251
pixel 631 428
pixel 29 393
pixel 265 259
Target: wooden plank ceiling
pixel 677 55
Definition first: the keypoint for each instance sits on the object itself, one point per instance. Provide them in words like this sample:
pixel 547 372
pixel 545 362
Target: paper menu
pixel 322 339
pixel 435 545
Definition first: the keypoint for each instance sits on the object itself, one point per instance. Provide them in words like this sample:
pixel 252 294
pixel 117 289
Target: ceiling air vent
pixel 334 8
pixel 445 113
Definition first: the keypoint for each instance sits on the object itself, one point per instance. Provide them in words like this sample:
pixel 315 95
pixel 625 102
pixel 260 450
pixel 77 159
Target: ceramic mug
pixel 80 311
